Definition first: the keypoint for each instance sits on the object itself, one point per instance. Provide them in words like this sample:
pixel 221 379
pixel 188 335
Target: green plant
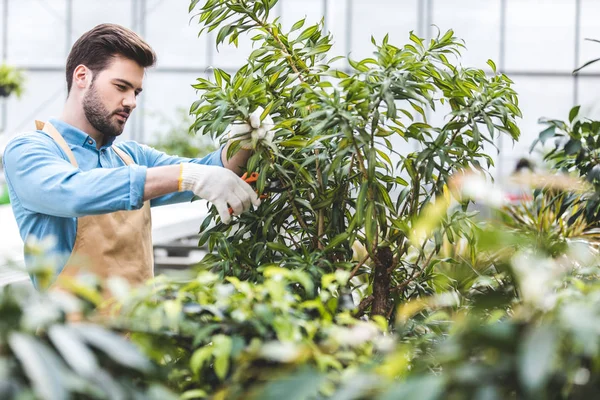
pixel 11 81
pixel 44 357
pixel 576 151
pixel 222 339
pixel 339 178
pixel 178 140
pixel 526 329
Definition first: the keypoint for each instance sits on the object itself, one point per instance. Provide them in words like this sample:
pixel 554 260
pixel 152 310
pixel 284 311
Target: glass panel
pixel 163 94
pixel 228 56
pixel 294 10
pixel 540 35
pixel 37 32
pixel 549 97
pixel 87 14
pixel 477 23
pixel 43 97
pixel 174 36
pixel 589 97
pixel 337 15
pixel 378 18
pixel 1 30
pixel 590 10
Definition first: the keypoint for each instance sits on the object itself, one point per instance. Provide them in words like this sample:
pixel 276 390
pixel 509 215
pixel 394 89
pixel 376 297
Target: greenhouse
pixel 286 199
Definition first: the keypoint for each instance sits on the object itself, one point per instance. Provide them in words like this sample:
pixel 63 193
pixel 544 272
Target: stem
pixel 381 281
pixel 364 304
pixel 361 160
pixel 285 51
pixel 360 264
pixel 321 216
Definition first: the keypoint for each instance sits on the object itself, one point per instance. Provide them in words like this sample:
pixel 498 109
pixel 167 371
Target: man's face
pixel 111 97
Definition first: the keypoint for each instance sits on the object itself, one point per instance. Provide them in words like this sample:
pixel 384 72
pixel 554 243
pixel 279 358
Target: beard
pixel 99 116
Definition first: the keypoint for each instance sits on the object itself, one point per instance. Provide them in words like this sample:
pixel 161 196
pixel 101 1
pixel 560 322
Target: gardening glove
pixel 253 131
pixel 220 186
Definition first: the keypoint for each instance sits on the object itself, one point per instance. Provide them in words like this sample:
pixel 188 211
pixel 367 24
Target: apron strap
pixel 122 155
pixel 54 134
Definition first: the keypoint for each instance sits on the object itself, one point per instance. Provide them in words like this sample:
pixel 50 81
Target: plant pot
pixel 5 91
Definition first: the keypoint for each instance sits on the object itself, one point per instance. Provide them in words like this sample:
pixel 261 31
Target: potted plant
pixel 11 81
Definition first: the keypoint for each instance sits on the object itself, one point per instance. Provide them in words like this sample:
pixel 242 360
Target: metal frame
pixel 424 27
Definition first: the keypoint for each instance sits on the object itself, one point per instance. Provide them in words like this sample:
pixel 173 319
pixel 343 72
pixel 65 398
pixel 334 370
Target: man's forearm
pixel 237 161
pixel 161 181
pixel 164 180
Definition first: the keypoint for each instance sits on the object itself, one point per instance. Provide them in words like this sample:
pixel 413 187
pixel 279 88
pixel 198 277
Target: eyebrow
pixel 127 83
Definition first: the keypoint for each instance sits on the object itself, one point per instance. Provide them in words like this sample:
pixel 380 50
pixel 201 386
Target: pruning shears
pixel 272 187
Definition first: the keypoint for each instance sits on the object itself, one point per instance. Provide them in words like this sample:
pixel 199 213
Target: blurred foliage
pixel 43 356
pixel 176 138
pixel 224 338
pixel 576 150
pixel 334 176
pixel 12 81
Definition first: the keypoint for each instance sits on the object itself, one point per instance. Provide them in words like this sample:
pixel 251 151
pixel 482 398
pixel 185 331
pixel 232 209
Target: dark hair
pixel 524 163
pixel 97 48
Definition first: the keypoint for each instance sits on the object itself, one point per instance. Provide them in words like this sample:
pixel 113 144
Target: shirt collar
pixel 76 136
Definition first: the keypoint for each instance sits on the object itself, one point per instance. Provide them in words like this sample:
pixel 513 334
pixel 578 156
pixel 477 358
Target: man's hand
pixel 253 131
pixel 219 186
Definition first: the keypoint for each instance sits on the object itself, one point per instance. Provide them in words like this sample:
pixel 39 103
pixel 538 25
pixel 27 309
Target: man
pixel 68 180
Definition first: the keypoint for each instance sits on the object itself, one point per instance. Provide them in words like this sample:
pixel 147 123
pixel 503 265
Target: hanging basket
pixel 5 91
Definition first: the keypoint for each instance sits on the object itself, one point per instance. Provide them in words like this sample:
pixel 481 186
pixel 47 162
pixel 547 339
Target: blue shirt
pixel 48 194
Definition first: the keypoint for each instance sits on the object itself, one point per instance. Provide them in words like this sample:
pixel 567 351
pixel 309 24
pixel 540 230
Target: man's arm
pixel 48 184
pixel 164 180
pixel 161 181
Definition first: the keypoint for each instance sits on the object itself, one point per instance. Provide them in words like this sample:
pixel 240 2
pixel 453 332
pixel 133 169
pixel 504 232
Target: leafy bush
pixel 336 180
pixel 42 356
pixel 224 338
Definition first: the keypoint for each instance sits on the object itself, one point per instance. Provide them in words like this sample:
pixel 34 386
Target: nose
pixel 130 101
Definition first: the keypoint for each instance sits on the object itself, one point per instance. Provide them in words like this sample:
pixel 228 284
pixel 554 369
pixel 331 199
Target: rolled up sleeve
pixel 155 158
pixel 46 183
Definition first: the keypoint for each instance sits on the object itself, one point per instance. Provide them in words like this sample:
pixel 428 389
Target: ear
pixel 82 76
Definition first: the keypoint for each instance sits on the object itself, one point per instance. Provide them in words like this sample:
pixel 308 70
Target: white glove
pixel 253 131
pixel 220 186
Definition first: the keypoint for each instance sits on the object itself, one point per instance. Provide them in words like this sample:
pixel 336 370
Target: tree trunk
pixel 381 282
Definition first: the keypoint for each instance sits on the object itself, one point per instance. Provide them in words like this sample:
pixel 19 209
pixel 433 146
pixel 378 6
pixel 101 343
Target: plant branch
pixel 321 216
pixel 360 264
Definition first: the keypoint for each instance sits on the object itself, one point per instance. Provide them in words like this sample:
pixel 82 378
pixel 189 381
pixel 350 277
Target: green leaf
pixel 492 64
pixel 416 39
pixel 193 394
pixel 298 386
pixel 115 346
pixel 547 133
pixel 79 357
pixel 39 364
pixel 298 25
pixel 370 223
pixel 586 64
pixel 199 358
pixel 280 247
pixel 222 351
pixel 536 356
pixel 336 241
pixel 422 388
pixel 574 112
pixel 573 146
pixel 308 32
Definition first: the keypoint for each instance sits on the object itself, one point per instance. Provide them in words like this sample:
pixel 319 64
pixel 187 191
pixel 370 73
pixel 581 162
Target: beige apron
pixel 114 244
